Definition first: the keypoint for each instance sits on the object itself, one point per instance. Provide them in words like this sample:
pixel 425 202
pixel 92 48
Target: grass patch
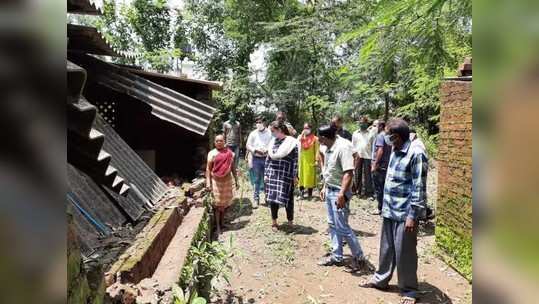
pixel 455 250
pixel 280 245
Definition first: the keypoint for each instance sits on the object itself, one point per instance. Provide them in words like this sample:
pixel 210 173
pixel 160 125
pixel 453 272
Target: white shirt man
pixel 258 141
pixel 258 146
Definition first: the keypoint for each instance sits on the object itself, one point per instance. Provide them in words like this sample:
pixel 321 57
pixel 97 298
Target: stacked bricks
pixel 454 204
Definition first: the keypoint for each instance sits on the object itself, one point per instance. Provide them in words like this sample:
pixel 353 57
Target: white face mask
pixel 260 126
pixel 307 131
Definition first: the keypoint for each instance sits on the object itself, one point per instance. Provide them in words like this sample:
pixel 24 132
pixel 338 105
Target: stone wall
pixel 454 204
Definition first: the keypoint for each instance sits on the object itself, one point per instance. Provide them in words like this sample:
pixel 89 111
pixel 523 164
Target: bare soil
pixel 281 267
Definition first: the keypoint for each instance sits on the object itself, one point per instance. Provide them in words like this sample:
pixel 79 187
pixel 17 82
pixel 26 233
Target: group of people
pixel 382 160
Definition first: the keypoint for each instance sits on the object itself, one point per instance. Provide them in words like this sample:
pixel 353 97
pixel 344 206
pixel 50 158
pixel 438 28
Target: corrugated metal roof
pixel 87 7
pixel 214 85
pixel 130 166
pixel 89 40
pixel 85 143
pixel 166 103
pixel 90 196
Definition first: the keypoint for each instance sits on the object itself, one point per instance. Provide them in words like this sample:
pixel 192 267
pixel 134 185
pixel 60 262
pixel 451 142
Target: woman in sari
pixel 280 173
pixel 219 173
pixel 309 148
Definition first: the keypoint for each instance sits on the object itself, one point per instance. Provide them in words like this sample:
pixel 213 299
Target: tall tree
pixel 149 29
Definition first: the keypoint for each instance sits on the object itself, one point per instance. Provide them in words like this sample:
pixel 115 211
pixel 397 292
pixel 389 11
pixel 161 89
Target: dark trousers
pixel 398 249
pixel 236 150
pixel 309 190
pixel 289 208
pixel 379 180
pixel 362 177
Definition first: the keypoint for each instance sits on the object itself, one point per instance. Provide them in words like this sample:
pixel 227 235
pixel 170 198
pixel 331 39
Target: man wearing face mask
pixel 362 141
pixel 232 133
pixel 338 123
pixel 281 117
pixel 405 199
pixel 257 145
pixel 338 173
pixel 380 159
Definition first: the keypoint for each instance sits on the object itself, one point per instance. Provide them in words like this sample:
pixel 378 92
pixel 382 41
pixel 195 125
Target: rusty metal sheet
pixel 167 104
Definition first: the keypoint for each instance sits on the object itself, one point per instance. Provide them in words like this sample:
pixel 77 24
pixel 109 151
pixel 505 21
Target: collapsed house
pixel 128 232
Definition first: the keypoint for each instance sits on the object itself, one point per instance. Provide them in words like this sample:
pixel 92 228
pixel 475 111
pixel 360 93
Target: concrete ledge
pixel 169 269
pixel 141 259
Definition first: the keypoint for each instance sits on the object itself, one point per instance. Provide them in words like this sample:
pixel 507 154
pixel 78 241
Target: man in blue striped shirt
pixel 404 202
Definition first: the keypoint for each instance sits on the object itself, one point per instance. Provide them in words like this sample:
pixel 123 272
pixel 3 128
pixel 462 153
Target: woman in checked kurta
pixel 219 173
pixel 280 175
pixel 309 148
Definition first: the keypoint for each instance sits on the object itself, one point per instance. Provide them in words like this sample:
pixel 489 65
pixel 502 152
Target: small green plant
pixel 181 298
pixel 206 261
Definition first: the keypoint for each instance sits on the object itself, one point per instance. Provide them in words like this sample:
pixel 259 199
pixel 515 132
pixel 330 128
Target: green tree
pixel 412 44
pixel 149 29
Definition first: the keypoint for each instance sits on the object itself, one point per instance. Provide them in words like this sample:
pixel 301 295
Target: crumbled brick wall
pixel 454 204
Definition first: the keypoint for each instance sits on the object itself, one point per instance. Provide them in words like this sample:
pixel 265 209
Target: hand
pixel 296 181
pixel 323 194
pixel 410 225
pixel 208 188
pixel 374 167
pixel 341 199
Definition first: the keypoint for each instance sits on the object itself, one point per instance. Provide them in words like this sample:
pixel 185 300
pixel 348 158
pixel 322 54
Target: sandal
pixel 408 300
pixel 274 228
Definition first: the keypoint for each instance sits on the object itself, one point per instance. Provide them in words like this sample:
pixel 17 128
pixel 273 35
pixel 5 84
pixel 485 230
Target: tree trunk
pixel 315 118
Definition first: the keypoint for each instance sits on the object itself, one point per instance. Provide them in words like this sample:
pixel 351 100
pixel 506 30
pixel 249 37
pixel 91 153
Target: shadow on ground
pixel 427 228
pixel 239 208
pixel 432 295
pixel 363 233
pixel 298 229
pixel 236 225
pixel 427 293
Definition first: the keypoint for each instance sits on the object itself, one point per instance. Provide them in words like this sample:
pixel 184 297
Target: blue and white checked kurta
pixel 405 190
pixel 280 174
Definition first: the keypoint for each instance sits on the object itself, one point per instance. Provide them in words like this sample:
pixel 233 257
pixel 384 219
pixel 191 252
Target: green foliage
pixel 412 44
pixel 430 141
pixel 455 250
pixel 327 57
pixel 148 29
pixel 181 298
pixel 206 261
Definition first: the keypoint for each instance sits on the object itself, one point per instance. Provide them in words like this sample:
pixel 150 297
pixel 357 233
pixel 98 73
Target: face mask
pixel 363 126
pixel 307 131
pixel 260 126
pixel 273 134
pixel 387 139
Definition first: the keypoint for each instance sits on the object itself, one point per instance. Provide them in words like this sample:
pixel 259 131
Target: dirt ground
pixel 281 267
